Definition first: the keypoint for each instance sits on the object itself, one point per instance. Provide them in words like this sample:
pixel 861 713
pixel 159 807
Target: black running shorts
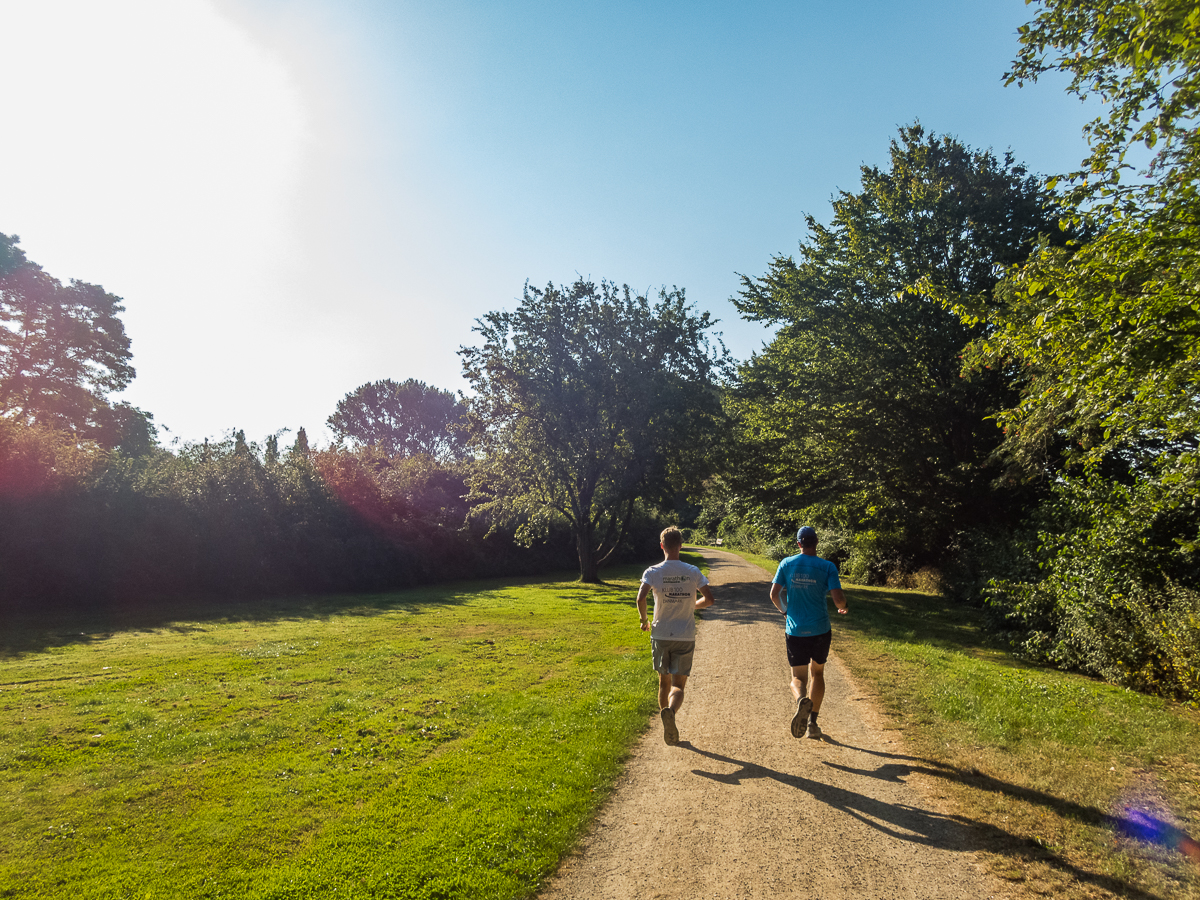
pixel 802 650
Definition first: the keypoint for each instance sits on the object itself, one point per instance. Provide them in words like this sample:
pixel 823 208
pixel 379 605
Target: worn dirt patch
pixel 741 809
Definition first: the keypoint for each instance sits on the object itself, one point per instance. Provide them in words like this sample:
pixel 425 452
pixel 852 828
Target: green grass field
pixel 446 742
pixel 452 742
pixel 1078 788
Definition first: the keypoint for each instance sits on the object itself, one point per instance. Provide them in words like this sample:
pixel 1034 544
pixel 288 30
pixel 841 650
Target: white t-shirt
pixel 675 584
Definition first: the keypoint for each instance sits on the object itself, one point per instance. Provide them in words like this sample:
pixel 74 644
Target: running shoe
pixel 670 732
pixel 803 708
pixel 814 731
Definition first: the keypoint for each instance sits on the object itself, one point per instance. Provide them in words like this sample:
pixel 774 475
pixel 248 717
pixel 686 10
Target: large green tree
pixel 588 400
pixel 1107 333
pixel 406 418
pixel 858 406
pixel 63 350
pixel 1109 328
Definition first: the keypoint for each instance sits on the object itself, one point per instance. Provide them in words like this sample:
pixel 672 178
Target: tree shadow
pixel 743 603
pixel 956 833
pixel 34 629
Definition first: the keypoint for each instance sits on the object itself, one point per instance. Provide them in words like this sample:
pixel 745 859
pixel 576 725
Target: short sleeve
pixel 834 582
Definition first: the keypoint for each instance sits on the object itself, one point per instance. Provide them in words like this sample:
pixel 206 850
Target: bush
pixel 926 578
pixel 976 558
pixel 85 527
pixel 1116 590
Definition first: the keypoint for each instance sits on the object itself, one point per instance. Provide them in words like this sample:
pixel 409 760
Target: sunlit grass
pixel 444 742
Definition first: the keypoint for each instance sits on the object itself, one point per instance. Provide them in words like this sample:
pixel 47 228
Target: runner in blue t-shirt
pixel 803 581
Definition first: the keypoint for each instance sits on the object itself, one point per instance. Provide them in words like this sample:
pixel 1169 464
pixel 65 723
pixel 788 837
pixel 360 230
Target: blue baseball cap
pixel 806 535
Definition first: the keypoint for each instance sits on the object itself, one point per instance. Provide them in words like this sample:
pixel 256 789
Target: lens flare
pixel 1139 824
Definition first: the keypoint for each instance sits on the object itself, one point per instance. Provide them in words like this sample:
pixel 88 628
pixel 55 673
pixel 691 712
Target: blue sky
pixel 295 198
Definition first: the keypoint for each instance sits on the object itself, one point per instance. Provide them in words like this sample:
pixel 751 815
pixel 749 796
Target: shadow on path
pixel 1134 823
pixel 743 603
pixel 952 832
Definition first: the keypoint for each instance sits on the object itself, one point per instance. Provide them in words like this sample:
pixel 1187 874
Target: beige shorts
pixel 672 657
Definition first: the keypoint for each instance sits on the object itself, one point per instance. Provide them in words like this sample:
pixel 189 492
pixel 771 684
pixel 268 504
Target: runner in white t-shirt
pixel 673 633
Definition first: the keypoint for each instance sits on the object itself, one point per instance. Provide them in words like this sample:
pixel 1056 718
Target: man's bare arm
pixel 706 598
pixel 643 593
pixel 776 592
pixel 839 599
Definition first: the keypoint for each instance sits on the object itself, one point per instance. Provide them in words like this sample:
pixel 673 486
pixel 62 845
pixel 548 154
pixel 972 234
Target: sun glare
pixel 154 148
pixel 160 120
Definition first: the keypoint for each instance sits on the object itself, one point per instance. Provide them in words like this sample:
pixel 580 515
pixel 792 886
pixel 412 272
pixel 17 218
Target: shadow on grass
pixel 874 612
pixel 915 617
pixel 1133 823
pixel 953 832
pixel 33 629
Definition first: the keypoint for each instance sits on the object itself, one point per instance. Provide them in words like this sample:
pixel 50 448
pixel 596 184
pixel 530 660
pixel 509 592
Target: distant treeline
pixel 83 525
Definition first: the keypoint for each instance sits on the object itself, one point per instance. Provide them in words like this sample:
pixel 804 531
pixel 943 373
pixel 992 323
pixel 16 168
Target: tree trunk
pixel 588 564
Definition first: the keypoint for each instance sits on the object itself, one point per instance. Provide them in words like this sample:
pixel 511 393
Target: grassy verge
pixel 445 742
pixel 1076 788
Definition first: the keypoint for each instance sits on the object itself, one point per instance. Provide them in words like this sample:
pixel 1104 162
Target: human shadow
pixel 918 825
pixel 1131 822
pixel 901 821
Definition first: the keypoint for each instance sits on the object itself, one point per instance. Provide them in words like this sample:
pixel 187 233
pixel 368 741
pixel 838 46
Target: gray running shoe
pixel 803 708
pixel 670 732
pixel 814 731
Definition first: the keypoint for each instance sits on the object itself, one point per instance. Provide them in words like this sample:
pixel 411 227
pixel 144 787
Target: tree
pixel 588 400
pixel 1106 330
pixel 406 419
pixel 126 429
pixel 63 348
pixel 1109 328
pixel 858 406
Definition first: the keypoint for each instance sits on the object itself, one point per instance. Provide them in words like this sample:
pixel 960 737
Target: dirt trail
pixel 741 809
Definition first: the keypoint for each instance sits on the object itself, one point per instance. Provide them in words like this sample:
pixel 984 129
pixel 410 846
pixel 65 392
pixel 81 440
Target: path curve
pixel 741 809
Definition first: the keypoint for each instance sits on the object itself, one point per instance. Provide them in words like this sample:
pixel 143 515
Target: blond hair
pixel 671 538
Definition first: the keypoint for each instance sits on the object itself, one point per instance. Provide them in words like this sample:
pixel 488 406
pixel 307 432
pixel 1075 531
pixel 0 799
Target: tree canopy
pixel 858 405
pixel 63 350
pixel 1105 331
pixel 588 400
pixel 405 419
pixel 1109 328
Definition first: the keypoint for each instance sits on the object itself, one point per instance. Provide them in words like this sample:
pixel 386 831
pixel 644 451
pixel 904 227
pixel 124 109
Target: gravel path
pixel 741 809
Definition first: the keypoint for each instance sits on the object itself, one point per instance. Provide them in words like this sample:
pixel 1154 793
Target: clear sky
pixel 295 197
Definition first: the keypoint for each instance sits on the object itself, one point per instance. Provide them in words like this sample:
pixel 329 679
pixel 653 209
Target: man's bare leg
pixel 671 691
pixel 664 689
pixel 803 703
pixel 799 681
pixel 817 693
pixel 816 690
pixel 670 698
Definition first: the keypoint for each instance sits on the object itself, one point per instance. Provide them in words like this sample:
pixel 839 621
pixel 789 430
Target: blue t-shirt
pixel 806 580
